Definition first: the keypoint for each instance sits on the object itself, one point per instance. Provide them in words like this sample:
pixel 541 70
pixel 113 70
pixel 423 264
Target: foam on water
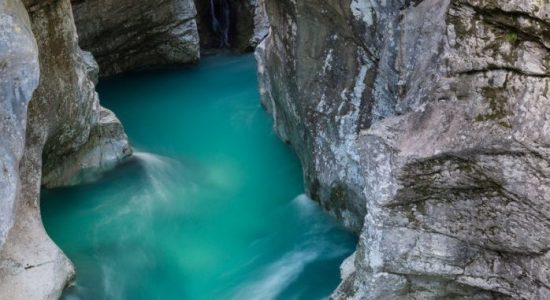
pixel 208 206
pixel 278 275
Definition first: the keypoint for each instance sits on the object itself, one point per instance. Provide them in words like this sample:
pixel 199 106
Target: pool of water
pixel 210 207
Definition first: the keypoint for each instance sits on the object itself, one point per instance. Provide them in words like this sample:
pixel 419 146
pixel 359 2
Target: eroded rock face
pixel 261 23
pixel 313 76
pixel 66 132
pixel 18 78
pixel 430 119
pixel 126 35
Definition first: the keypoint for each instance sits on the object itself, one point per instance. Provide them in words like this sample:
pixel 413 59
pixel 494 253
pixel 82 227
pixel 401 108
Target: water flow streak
pixel 208 208
pixel 221 20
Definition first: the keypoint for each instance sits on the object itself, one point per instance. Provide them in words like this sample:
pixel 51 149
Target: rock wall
pixel 133 34
pixel 315 74
pixel 427 122
pixel 127 35
pixel 19 74
pixel 67 133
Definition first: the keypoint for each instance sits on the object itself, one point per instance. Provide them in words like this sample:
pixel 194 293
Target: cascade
pixel 221 20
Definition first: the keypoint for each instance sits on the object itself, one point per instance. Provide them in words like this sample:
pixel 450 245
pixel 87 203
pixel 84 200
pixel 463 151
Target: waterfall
pixel 221 17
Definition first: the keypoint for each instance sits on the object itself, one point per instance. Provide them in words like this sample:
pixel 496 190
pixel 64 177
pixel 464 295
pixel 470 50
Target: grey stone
pixel 67 132
pixel 425 125
pixel 107 145
pixel 313 75
pixel 127 35
pixel 19 74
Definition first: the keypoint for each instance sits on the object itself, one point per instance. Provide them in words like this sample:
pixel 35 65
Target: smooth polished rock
pixel 64 123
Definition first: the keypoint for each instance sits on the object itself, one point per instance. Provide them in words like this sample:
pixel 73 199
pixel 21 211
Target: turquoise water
pixel 209 207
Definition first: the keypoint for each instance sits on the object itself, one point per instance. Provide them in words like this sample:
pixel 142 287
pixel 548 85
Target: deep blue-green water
pixel 210 207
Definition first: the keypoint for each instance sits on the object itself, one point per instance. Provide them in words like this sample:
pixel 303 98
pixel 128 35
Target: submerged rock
pixel 127 35
pixel 65 126
pixel 425 123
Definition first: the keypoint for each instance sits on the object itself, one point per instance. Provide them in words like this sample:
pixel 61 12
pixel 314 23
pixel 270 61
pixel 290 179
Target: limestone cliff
pixel 62 131
pixel 18 79
pixel 425 124
pixel 315 74
pixel 126 35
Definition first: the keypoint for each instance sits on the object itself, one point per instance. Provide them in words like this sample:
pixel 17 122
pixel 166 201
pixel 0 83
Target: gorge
pixel 194 215
pixel 420 125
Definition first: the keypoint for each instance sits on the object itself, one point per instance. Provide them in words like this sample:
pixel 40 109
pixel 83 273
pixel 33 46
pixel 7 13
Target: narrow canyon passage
pixel 208 208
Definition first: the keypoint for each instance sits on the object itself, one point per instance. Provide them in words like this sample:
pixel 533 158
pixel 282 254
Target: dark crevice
pixel 225 24
pixel 28 267
pixel 502 69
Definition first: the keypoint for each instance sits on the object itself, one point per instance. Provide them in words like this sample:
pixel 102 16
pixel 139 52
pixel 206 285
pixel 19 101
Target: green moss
pixel 494 47
pixel 459 26
pixel 498 107
pixel 511 37
pixel 338 199
pixel 314 188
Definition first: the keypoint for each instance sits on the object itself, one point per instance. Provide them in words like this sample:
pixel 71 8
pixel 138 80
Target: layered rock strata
pixel 62 130
pixel 424 124
pixel 129 35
